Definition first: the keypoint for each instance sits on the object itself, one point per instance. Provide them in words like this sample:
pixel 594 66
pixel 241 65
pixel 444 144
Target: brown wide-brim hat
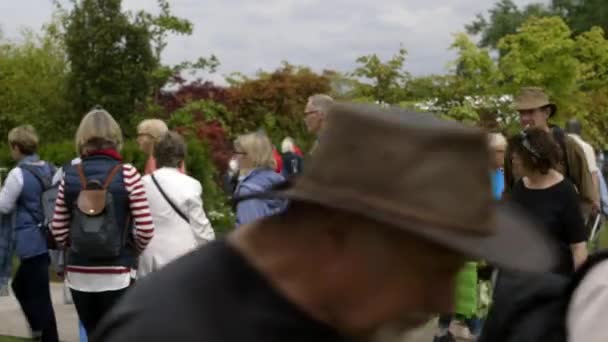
pixel 425 176
pixel 533 98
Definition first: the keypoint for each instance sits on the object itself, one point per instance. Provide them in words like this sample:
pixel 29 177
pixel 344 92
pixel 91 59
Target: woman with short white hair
pixel 177 208
pixel 253 154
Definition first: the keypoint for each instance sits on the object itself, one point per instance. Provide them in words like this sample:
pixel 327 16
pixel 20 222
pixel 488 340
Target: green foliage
pixel 504 19
pixel 383 81
pixel 33 76
pixel 541 54
pixel 474 67
pixel 215 201
pixel 203 110
pixel 110 56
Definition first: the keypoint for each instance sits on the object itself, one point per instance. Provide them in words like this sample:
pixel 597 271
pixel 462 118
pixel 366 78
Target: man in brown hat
pixel 535 109
pixel 373 241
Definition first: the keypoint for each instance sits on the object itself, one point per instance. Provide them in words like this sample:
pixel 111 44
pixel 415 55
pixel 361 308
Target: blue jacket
pixel 498 183
pixel 30 238
pixel 257 181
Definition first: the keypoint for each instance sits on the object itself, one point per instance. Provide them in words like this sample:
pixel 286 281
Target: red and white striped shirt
pixel 106 278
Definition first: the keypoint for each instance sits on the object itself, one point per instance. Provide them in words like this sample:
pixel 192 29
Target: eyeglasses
pixel 310 112
pixel 139 134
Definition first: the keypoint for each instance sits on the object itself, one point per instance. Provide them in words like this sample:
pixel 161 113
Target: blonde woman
pixel 177 210
pixel 149 132
pixel 253 153
pixel 98 278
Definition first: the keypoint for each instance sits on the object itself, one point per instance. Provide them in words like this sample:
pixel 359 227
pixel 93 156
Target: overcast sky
pixel 248 35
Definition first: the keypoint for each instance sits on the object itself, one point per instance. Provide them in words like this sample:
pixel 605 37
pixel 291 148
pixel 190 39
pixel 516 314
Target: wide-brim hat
pixel 422 175
pixel 533 98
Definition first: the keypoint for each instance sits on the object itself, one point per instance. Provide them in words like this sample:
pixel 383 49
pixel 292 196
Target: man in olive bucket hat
pixel 535 109
pixel 379 223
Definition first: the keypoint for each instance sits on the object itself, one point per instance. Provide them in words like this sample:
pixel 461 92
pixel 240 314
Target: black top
pixel 557 209
pixel 292 164
pixel 210 295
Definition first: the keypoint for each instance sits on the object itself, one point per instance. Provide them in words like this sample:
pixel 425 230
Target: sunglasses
pixel 525 142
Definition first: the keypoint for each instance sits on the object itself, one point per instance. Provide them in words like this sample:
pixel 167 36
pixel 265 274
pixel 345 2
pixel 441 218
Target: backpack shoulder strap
pixel 83 178
pixel 44 181
pixel 111 175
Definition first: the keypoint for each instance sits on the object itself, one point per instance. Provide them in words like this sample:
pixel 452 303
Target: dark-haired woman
pixel 549 197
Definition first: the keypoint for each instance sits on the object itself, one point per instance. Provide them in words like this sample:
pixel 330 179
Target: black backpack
pixel 532 308
pixel 47 201
pixel 94 231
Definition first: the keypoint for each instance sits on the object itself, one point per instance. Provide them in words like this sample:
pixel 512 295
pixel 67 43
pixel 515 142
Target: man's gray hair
pixel 321 102
pixel 170 150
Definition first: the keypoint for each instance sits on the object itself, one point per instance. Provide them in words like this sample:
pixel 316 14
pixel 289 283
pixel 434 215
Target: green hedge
pixel 198 164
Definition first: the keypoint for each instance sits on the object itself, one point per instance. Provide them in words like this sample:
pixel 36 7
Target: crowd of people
pixel 393 217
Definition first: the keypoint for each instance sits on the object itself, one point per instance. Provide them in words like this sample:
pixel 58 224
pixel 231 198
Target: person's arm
pixel 138 204
pixel 574 226
pixel 13 185
pixel 201 227
pixel 579 254
pixel 61 218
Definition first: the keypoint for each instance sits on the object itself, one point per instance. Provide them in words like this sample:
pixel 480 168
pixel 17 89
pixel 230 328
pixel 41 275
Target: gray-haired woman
pixel 176 206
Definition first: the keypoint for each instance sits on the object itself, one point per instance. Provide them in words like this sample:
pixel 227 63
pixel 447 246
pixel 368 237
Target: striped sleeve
pixel 61 218
pixel 138 203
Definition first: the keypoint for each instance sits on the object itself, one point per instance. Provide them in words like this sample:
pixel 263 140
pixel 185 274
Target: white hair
pixel 497 140
pixel 288 145
pixel 321 102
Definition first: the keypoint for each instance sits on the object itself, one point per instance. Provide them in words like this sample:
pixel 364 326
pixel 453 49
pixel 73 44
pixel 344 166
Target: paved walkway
pixel 12 322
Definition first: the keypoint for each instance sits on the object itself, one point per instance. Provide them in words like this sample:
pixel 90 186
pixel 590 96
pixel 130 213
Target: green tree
pixel 582 15
pixel 542 54
pixel 33 79
pixel 111 58
pixel 503 19
pixel 382 81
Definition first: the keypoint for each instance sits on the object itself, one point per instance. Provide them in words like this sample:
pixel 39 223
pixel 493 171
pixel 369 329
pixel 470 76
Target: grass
pixel 13 339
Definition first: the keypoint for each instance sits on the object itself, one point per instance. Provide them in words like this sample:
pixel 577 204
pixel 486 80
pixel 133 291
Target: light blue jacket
pixel 258 181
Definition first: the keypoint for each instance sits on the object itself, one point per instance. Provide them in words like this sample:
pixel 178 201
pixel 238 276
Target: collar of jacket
pixel 109 152
pixel 32 158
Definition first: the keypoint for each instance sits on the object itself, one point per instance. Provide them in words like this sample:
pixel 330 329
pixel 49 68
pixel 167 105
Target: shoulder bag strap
pixel 162 192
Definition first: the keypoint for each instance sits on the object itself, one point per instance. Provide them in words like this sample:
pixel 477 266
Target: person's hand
pixel 595 207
